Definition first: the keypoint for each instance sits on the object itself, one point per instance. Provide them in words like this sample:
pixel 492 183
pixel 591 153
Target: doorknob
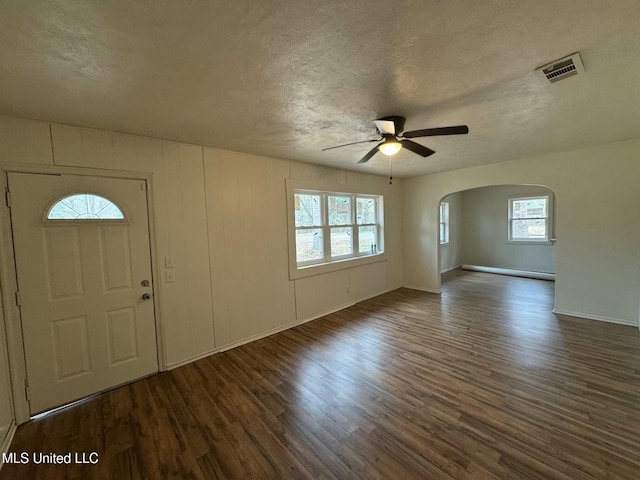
pixel 146 296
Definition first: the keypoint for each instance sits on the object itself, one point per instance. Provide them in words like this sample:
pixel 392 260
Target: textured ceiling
pixel 287 78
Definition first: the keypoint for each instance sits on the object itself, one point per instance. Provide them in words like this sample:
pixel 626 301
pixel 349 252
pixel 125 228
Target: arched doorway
pixel 504 229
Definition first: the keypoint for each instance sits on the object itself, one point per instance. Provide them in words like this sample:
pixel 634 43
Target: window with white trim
pixel 529 219
pixel 332 226
pixel 444 223
pixel 84 206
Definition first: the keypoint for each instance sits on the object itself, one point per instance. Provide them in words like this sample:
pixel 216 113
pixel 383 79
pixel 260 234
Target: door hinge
pixel 7 196
pixel 143 186
pixel 26 390
pixel 18 301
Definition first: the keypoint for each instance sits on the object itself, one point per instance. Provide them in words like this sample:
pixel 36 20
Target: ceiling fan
pixel 392 140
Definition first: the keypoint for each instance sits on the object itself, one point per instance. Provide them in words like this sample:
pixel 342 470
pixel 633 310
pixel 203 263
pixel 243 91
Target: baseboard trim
pixel 6 443
pixel 315 316
pixel 422 289
pixel 194 358
pixel 511 272
pixel 449 269
pixel 599 318
pixel 273 331
pixel 301 321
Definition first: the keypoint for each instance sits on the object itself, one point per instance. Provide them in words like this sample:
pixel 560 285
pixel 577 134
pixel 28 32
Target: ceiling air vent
pixel 563 68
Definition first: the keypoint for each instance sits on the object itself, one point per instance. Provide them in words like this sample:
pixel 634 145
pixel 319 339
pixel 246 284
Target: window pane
pixel 84 206
pixel 339 210
pixel 529 208
pixel 443 233
pixel 367 240
pixel 529 229
pixel 307 210
pixel 444 222
pixel 341 241
pixel 366 210
pixel 309 245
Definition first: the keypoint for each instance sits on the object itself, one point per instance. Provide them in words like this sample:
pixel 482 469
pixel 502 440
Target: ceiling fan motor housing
pixel 398 122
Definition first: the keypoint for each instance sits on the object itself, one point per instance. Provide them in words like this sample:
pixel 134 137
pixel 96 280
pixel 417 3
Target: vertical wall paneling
pixel 25 141
pixel 276 248
pixel 217 246
pixel 195 240
pixel 246 208
pixel 237 296
pixel 221 219
pixel 368 280
pixel 83 147
pixel 6 405
pixel 182 239
pixel 317 173
pixel 320 294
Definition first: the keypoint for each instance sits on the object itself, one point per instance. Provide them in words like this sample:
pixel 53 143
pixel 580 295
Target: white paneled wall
pixel 220 217
pixel 369 279
pixel 322 293
pixel 246 206
pixel 247 223
pixel 6 405
pixel 187 310
pixel 24 142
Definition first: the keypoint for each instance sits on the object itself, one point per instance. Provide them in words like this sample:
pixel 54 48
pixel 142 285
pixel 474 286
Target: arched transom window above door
pixel 84 206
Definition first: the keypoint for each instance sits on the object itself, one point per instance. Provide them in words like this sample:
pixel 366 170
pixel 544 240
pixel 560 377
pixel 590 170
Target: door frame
pixel 9 282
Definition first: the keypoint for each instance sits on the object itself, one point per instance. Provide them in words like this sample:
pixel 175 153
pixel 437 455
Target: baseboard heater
pixel 512 272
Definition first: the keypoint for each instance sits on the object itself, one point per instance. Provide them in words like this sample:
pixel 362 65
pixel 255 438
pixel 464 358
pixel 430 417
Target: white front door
pixel 84 276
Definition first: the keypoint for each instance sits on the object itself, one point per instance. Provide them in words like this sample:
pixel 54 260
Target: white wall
pixel 486 227
pixel 6 405
pixel 246 205
pixel 451 253
pixel 221 217
pixel 598 238
pixel 27 143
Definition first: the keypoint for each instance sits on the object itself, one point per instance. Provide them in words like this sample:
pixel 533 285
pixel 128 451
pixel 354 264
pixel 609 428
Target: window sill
pixel 320 268
pixel 530 242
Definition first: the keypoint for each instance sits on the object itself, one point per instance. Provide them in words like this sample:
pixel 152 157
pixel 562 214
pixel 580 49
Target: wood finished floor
pixel 480 382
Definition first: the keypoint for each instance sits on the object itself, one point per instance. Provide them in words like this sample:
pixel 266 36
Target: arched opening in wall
pixel 504 229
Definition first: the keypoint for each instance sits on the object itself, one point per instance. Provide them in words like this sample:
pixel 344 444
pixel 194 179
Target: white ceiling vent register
pixel 562 68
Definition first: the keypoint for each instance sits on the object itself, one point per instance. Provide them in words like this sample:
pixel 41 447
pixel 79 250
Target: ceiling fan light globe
pixel 390 148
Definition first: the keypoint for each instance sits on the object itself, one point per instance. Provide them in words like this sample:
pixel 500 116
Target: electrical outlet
pixel 169 276
pixel 168 262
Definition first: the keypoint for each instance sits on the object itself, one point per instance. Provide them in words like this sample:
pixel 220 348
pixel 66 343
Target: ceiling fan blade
pixel 368 156
pixel 432 132
pixel 385 127
pixel 417 148
pixel 352 143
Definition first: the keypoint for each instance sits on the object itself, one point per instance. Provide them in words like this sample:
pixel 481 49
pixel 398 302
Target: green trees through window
pixel 336 226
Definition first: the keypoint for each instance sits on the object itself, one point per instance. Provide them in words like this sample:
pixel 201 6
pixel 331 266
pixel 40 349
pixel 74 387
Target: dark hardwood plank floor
pixel 482 382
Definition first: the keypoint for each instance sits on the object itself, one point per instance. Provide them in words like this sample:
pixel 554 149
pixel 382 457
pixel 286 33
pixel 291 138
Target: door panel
pixel 62 252
pixel 70 347
pixel 121 335
pixel 86 327
pixel 116 263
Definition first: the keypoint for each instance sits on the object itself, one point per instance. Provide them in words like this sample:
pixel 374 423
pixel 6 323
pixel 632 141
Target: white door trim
pixel 8 279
